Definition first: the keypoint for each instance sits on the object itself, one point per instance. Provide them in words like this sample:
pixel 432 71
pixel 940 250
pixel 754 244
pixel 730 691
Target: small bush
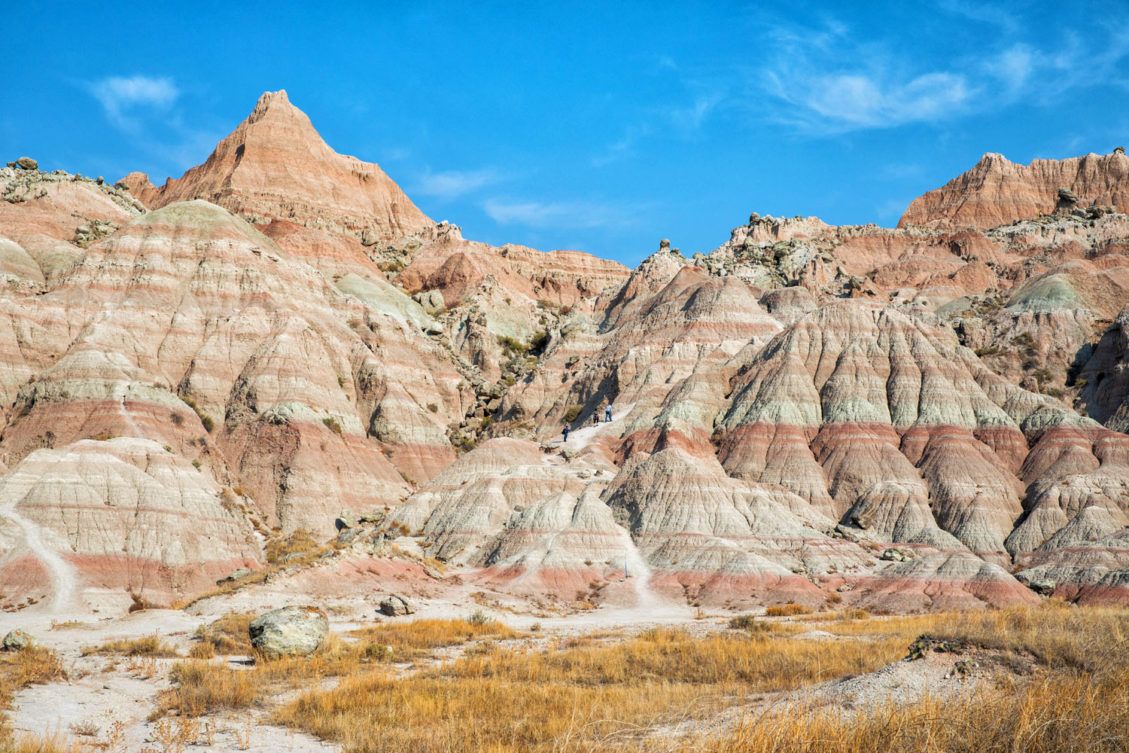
pixel 292 546
pixel 226 635
pixel 786 610
pixel 332 424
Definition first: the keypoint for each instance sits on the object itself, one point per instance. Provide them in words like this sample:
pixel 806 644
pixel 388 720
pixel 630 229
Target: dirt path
pixel 128 418
pixel 63 578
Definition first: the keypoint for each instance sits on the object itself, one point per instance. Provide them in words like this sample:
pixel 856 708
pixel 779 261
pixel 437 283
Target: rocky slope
pixel 912 418
pixel 275 166
pixel 998 192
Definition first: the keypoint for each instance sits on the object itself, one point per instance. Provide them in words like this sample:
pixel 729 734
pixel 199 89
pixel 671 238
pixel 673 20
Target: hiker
pixel 607 413
pixel 596 418
pixel 565 431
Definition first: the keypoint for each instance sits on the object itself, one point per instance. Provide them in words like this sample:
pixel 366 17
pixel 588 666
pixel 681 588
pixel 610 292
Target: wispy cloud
pixel 451 184
pixel 691 117
pixel 827 79
pixel 121 96
pixel 622 147
pixel 686 117
pixel 546 214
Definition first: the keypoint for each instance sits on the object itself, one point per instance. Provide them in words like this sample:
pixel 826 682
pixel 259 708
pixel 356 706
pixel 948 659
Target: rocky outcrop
pixel 290 631
pixel 1105 378
pixel 275 166
pixel 998 192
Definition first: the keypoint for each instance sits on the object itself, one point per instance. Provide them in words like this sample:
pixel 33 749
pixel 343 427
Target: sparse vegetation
pixel 205 419
pixel 512 344
pixel 786 610
pixel 149 645
pixel 291 547
pixel 18 670
pixel 227 635
pixel 567 698
pixel 201 687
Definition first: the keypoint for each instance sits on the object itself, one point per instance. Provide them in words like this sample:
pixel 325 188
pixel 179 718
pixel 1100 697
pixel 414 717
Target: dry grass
pixel 149 645
pixel 1076 700
pixel 227 635
pixel 291 547
pixel 589 696
pixel 407 638
pixel 19 669
pixel 610 693
pixel 201 687
pixel 1061 713
pixel 787 610
pixel 568 698
pixel 51 744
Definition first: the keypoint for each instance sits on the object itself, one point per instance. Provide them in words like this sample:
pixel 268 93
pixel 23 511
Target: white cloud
pixel 855 99
pixel 122 95
pixel 543 214
pixel 826 80
pixel 622 147
pixel 451 184
pixel 692 116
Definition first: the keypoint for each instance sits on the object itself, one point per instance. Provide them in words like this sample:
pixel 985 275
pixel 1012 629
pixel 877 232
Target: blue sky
pixel 603 127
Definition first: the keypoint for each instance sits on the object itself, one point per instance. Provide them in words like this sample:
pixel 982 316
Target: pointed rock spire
pixel 275 166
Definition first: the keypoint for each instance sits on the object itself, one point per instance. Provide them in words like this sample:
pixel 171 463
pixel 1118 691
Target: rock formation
pixel 914 418
pixel 275 166
pixel 998 192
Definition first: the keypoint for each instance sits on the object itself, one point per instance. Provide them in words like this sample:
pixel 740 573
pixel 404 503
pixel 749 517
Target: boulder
pixel 897 554
pixel 25 163
pixel 289 631
pixel 431 300
pixel 239 574
pixel 395 606
pixel 16 640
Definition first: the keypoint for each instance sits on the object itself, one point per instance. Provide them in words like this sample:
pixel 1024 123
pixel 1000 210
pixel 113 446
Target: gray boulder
pixel 239 574
pixel 16 640
pixel 395 606
pixel 431 301
pixel 897 554
pixel 290 631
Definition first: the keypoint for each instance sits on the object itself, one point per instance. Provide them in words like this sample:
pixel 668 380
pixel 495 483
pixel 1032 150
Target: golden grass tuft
pixel 786 610
pixel 149 645
pixel 19 669
pixel 291 547
pixel 408 637
pixel 228 634
pixel 202 687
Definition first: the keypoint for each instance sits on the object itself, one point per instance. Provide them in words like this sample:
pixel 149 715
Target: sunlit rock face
pixel 923 417
pixel 275 166
pixel 997 192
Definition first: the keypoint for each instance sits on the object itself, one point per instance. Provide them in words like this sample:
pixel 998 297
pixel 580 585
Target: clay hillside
pixel 280 347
